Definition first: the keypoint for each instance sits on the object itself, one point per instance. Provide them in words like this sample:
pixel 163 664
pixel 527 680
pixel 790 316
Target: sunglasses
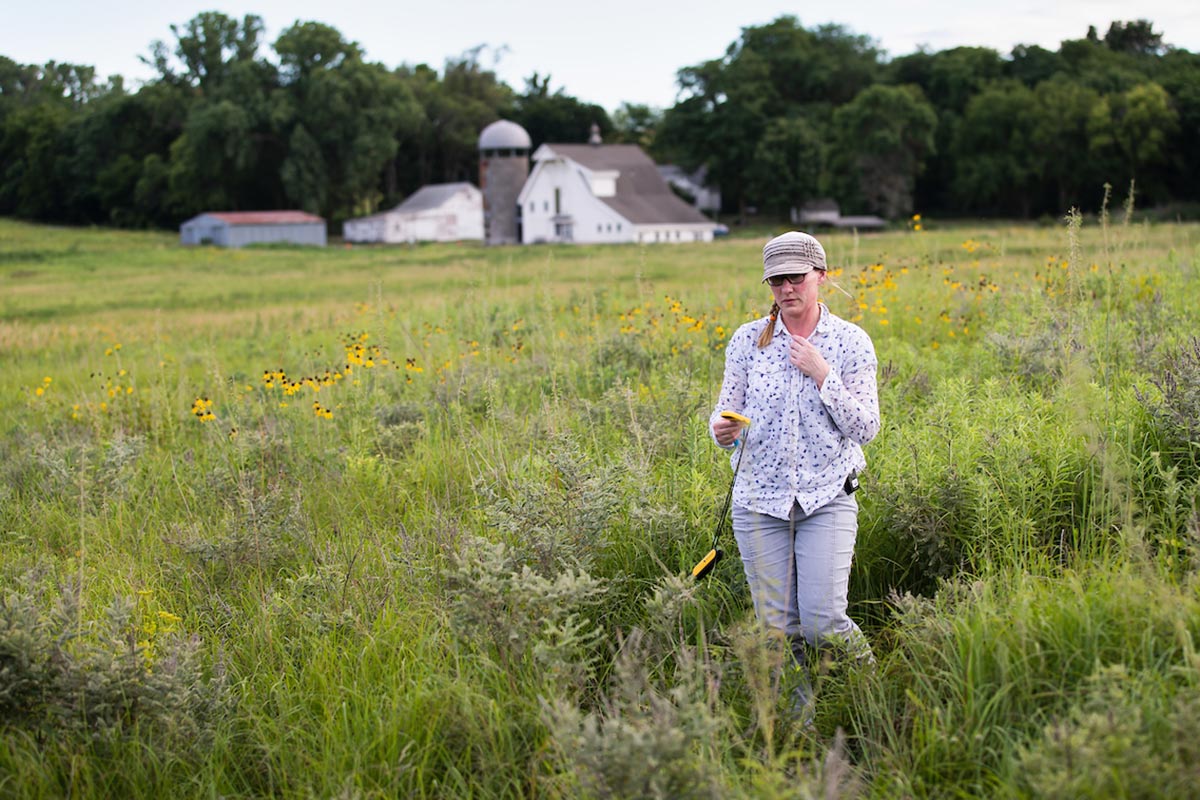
pixel 794 280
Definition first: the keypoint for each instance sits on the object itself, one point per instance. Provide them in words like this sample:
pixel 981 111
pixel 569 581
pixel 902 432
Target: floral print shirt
pixel 803 441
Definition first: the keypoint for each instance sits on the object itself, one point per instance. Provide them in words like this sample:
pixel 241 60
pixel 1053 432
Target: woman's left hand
pixel 808 359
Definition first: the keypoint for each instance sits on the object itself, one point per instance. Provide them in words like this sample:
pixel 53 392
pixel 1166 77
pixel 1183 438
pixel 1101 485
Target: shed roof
pixel 860 221
pixel 433 196
pixel 642 196
pixel 264 217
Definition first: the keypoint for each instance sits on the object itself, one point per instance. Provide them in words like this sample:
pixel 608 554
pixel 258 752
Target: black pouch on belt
pixel 851 485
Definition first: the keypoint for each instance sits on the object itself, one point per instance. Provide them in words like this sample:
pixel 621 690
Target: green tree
pixel 1061 145
pixel 305 177
pixel 107 148
pixel 1178 71
pixel 787 165
pixel 1098 67
pixel 41 108
pixel 213 161
pixel 881 140
pixel 1137 37
pixel 1132 131
pixel 995 161
pixel 311 48
pixel 32 153
pixel 207 46
pixel 826 65
pixel 54 82
pixel 772 71
pixel 342 115
pixel 455 108
pixel 13 78
pixel 719 122
pixel 226 150
pixel 636 123
pixel 956 75
pixel 1031 64
pixel 555 116
pixel 948 79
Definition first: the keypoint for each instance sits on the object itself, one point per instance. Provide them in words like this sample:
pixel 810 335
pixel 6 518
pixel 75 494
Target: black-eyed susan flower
pixel 201 409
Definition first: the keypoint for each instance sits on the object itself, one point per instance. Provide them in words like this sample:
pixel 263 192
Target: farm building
pixel 825 213
pixel 597 193
pixel 503 170
pixel 443 212
pixel 240 228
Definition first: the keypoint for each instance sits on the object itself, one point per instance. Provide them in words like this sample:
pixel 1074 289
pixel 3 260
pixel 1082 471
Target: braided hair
pixel 768 331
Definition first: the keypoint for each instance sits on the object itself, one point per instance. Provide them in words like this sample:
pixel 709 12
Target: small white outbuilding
pixel 240 228
pixel 441 212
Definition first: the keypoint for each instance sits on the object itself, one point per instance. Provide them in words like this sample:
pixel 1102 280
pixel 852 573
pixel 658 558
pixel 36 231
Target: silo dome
pixel 504 135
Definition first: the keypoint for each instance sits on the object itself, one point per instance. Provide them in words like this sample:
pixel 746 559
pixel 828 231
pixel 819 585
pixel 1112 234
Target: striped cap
pixel 792 253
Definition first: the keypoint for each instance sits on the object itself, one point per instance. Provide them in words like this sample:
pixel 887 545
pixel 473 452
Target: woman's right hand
pixel 726 431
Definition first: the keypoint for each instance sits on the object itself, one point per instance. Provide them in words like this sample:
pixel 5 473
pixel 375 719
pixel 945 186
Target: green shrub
pixel 1117 741
pixel 646 740
pixel 981 473
pixel 990 664
pixel 1175 411
pixel 525 620
pixel 125 672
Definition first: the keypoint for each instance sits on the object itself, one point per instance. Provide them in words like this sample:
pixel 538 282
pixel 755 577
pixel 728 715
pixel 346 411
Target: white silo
pixel 503 167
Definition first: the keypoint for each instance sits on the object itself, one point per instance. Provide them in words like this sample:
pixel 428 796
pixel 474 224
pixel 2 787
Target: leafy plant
pixel 124 672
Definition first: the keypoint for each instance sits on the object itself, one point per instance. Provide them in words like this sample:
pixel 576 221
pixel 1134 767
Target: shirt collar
pixel 822 321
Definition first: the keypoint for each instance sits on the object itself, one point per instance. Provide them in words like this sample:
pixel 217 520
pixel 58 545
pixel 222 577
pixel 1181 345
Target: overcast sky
pixel 603 51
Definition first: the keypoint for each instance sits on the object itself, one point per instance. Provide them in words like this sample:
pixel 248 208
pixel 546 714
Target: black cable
pixel 706 564
pixel 729 497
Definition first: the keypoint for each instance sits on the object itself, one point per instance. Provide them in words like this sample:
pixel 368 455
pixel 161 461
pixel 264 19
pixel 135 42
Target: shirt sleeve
pixel 851 395
pixel 733 385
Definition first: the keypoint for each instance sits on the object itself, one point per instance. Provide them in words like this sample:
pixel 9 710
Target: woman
pixel 806 380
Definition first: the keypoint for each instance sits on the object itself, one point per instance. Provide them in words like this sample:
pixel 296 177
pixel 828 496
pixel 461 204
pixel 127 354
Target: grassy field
pixel 416 522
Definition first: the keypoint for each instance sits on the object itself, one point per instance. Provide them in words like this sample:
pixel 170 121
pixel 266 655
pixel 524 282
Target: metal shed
pixel 240 228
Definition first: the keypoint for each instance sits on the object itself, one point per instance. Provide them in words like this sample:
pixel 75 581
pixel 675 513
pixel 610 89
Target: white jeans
pixel 799 572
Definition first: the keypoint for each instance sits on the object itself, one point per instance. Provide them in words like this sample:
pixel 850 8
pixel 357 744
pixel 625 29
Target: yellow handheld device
pixel 736 417
pixel 706 564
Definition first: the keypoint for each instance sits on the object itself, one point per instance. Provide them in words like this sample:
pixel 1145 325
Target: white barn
pixel 598 193
pixel 240 228
pixel 442 212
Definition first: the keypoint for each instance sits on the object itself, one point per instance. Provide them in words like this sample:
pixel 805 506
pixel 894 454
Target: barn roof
pixel 432 196
pixel 642 197
pixel 264 217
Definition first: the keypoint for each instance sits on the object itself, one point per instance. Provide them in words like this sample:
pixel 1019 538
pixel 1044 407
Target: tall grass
pixel 368 522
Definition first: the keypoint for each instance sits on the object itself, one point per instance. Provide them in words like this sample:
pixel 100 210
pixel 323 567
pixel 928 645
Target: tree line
pixel 786 114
